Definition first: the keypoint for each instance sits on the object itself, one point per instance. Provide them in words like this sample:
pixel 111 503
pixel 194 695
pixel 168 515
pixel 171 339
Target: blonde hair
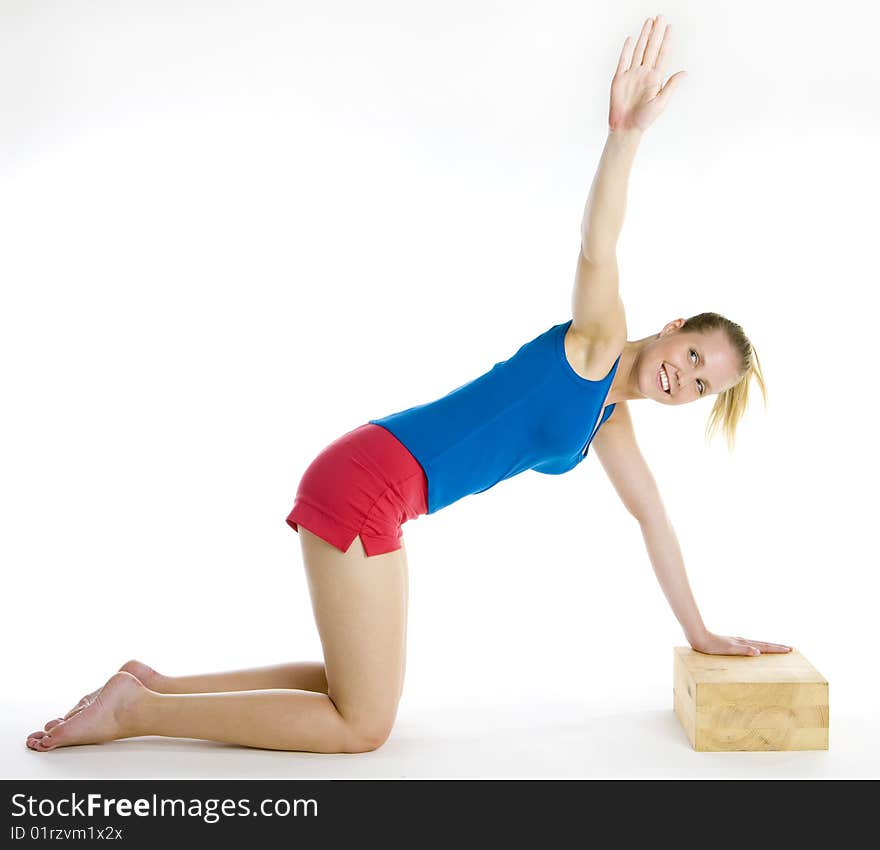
pixel 730 406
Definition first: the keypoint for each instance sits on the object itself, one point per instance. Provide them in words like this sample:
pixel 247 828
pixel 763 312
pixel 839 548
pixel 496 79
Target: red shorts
pixel 364 483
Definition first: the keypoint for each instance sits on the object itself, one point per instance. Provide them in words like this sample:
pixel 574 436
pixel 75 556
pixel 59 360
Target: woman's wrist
pixel 697 637
pixel 624 143
pixel 629 136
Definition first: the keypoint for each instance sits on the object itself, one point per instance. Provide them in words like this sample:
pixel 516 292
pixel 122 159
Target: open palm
pixel 638 95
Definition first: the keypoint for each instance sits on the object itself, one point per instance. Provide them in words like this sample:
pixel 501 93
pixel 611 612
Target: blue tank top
pixel 531 411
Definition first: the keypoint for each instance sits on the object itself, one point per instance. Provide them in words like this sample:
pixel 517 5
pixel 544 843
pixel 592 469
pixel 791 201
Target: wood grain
pixel 765 702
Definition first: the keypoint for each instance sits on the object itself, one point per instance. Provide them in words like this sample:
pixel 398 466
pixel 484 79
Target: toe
pixel 48 742
pixel 53 723
pixel 34 739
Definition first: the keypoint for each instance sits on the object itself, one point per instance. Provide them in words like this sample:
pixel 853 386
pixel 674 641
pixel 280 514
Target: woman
pixel 540 409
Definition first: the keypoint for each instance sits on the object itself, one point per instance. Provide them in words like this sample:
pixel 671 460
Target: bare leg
pixel 268 719
pixel 301 675
pixel 360 610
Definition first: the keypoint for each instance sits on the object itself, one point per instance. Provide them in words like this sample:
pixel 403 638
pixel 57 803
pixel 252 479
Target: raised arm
pixel 615 445
pixel 637 98
pixel 606 203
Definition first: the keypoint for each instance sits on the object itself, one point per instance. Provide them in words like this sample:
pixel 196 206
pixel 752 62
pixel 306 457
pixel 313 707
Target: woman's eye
pixel 699 382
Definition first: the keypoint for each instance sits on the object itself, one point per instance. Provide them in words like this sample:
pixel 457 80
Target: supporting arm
pixel 666 558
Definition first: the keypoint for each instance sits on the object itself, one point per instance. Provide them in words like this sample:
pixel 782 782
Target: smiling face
pixel 680 367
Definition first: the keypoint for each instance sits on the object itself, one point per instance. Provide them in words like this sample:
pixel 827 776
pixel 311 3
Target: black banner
pixel 142 812
pixel 168 813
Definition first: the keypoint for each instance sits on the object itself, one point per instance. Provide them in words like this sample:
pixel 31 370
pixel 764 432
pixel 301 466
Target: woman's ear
pixel 674 325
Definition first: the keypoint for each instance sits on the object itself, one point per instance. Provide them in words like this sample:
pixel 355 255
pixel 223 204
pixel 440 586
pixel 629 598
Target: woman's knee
pixel 369 732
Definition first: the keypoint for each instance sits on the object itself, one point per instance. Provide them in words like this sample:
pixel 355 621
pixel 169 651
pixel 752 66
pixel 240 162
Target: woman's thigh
pixel 360 607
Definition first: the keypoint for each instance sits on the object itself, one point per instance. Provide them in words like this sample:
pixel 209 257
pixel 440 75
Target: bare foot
pixel 147 675
pixel 112 714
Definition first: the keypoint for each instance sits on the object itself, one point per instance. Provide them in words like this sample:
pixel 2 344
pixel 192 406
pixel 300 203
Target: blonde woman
pixel 541 408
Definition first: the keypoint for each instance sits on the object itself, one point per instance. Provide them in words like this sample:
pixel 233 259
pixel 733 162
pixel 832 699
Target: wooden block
pixel 758 702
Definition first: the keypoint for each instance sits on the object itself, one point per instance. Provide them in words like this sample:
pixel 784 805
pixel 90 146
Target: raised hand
pixel 638 95
pixel 713 644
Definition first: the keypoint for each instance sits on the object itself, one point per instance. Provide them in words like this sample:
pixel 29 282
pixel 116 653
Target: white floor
pixel 564 739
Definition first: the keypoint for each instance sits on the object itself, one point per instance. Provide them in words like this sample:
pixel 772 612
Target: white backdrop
pixel 233 231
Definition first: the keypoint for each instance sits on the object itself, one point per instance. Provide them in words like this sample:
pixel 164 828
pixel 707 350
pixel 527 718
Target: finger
pixel 770 647
pixel 738 649
pixel 625 56
pixel 671 85
pixel 654 42
pixel 733 646
pixel 741 646
pixel 760 642
pixel 660 62
pixel 640 44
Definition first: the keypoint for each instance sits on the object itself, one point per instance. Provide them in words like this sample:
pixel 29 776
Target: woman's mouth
pixel 663 380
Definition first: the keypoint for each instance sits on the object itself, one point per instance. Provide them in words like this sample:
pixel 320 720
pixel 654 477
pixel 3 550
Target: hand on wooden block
pixel 774 701
pixel 713 644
